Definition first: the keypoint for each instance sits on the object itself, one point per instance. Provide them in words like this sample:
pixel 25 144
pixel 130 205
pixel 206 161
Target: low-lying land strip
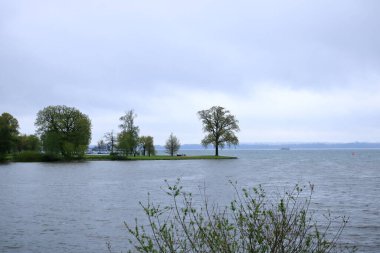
pixel 157 157
pixel 40 157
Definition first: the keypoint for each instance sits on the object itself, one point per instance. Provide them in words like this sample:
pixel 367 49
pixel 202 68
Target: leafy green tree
pixel 147 145
pixel 220 127
pixel 64 131
pixel 172 145
pixel 51 143
pixel 127 143
pixel 128 138
pixel 8 133
pixel 128 122
pixel 28 143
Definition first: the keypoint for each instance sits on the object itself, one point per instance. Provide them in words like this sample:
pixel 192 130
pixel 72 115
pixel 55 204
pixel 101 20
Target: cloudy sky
pixel 290 70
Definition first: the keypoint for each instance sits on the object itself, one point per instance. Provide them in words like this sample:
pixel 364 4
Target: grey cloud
pixel 119 54
pixel 217 45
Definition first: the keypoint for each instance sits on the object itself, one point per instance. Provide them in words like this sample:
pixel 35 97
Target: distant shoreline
pixel 293 146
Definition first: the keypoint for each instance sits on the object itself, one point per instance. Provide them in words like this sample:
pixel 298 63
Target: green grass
pixel 157 157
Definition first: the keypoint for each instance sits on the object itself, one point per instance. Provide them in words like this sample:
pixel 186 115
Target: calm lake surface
pixel 78 207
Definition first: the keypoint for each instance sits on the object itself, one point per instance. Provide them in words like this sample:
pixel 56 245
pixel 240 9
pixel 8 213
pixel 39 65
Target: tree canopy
pixel 64 131
pixel 220 127
pixel 147 145
pixel 28 143
pixel 172 145
pixel 8 133
pixel 128 138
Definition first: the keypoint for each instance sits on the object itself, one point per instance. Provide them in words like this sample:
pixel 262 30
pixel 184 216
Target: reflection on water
pixel 78 207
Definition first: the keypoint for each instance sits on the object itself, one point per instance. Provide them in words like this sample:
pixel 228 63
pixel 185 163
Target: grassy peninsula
pixel 156 157
pixel 30 156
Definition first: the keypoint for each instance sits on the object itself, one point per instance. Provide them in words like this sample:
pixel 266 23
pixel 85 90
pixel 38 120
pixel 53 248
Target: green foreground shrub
pixel 253 222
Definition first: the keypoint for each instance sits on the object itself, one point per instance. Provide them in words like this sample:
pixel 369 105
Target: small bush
pixel 28 156
pixel 253 222
pixel 118 157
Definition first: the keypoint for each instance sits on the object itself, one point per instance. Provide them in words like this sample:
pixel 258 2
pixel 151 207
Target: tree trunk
pixel 217 150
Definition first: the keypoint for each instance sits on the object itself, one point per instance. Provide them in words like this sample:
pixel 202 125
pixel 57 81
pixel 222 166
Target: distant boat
pixel 285 148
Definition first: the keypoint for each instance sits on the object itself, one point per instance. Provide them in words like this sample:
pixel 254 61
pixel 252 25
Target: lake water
pixel 78 207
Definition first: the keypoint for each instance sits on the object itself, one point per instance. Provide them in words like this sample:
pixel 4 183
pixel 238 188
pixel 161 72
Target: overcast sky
pixel 298 71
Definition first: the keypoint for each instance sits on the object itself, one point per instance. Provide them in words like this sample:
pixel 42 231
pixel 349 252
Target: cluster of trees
pixel 10 139
pixel 62 132
pixel 127 141
pixel 66 132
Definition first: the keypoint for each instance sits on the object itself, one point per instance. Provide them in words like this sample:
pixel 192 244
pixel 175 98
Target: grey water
pixel 79 207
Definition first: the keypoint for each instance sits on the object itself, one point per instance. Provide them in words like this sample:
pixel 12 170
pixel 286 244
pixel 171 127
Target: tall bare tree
pixel 220 127
pixel 110 141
